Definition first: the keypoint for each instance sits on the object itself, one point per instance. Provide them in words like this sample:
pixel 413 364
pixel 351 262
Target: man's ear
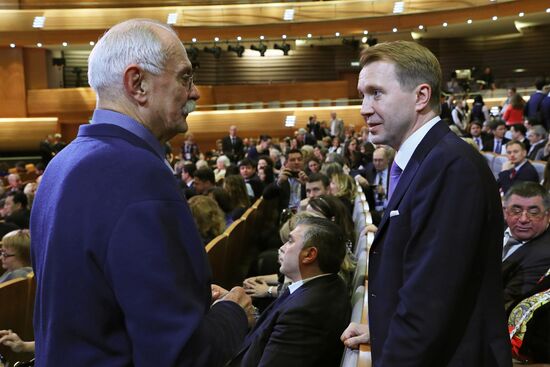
pixel 423 95
pixel 136 84
pixel 310 255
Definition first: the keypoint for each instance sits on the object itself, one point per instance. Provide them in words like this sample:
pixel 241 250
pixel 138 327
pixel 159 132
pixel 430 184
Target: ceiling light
pixel 172 18
pixel 420 26
pixel 309 35
pixel 548 10
pixel 262 38
pixel 12 45
pixel 445 24
pixel 398 7
pixel 64 44
pixel 289 14
pixel 364 40
pixel 365 32
pixel 283 36
pixel 521 14
pixel 469 21
pixel 193 40
pixel 38 22
pixel 519 70
pixel 337 34
pixel 394 30
pixel 495 17
pixel 216 39
pixel 38 44
pixel 92 43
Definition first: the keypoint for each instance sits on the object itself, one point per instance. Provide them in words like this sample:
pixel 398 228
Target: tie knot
pixel 395 170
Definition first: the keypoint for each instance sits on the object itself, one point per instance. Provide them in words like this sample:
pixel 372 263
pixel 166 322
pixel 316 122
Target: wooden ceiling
pixel 79 22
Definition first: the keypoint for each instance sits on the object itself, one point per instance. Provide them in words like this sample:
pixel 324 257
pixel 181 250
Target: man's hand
pixel 218 292
pixel 283 176
pixel 13 341
pixel 355 334
pixel 239 296
pixel 255 288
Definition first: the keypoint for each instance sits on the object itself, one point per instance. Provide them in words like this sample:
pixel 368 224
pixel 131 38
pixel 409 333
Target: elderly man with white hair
pixel 122 276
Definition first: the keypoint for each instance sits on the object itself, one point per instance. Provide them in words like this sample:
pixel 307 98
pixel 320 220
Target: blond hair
pixel 414 65
pixel 20 242
pixel 345 185
pixel 208 216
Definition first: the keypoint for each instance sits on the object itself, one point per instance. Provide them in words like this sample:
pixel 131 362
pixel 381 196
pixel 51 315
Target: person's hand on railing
pixel 355 334
pixel 14 342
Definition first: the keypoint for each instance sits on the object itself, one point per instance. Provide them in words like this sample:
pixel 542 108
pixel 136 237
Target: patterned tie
pixel 395 173
pixel 508 246
pixel 513 174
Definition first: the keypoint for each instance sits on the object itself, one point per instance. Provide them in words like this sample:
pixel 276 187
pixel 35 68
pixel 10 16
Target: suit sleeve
pixel 295 336
pixel 159 276
pixel 443 263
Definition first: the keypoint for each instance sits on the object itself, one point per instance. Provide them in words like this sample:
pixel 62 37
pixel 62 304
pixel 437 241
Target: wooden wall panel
pixel 36 71
pixel 25 134
pixel 47 101
pixel 12 94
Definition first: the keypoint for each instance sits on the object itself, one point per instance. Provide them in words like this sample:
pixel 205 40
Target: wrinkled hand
pixel 255 288
pixel 239 296
pixel 355 334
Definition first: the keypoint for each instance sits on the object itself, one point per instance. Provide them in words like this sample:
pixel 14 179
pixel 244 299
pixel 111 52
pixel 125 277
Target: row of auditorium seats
pixel 281 104
pixel 359 300
pixel 496 161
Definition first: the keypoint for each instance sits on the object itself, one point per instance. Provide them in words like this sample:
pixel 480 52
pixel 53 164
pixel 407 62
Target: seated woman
pixel 16 255
pixel 236 188
pixel 221 166
pixel 343 187
pixel 208 216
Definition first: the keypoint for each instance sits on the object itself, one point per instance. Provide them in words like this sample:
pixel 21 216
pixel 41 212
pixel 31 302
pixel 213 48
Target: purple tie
pixel 395 173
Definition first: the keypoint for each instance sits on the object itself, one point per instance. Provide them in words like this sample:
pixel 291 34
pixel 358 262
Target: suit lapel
pixel 436 133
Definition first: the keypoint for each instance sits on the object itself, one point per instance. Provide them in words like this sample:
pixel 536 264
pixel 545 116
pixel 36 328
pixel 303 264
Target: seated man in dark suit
pixel 537 137
pixel 204 180
pixel 519 133
pixel 247 169
pixel 302 327
pixel 498 142
pixel 188 179
pixel 16 210
pixel 526 251
pixel 521 169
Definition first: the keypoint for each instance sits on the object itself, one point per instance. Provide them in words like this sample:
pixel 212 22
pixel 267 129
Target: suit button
pixel 373 295
pixel 374 253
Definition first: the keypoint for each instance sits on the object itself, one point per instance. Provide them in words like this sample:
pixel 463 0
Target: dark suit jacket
pixel 234 152
pixel 120 267
pixel 533 153
pixel 302 330
pixel 524 268
pixel 489 144
pixel 435 282
pixel 526 173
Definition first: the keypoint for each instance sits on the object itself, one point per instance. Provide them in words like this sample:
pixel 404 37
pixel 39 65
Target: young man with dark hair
pixel 247 169
pixel 498 142
pixel 204 180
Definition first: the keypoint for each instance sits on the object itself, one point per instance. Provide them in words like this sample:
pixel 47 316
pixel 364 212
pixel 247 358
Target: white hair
pixel 223 159
pixel 135 41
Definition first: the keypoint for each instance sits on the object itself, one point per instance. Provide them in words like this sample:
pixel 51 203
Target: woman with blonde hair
pixel 208 216
pixel 343 187
pixel 236 188
pixel 16 255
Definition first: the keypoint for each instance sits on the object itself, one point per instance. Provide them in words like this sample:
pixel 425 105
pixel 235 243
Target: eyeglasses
pixel 5 255
pixel 185 79
pixel 531 213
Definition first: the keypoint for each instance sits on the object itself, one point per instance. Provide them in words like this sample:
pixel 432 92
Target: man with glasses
pixel 526 246
pixel 122 276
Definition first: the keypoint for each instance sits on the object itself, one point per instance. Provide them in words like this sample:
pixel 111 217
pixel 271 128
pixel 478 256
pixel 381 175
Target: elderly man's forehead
pixel 525 201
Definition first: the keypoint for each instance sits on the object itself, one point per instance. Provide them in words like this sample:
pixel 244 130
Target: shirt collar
pixel 129 124
pixel 408 147
pixel 295 285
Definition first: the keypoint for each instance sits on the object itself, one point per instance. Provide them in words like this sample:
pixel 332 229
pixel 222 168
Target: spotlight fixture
pixel 285 47
pixel 92 43
pixel 39 44
pixel 64 44
pixel 469 21
pixel 309 35
pixel 445 24
pixel 214 50
pixel 394 29
pixel 261 49
pixel 495 17
pixel 12 45
pixel 239 49
pixel 521 14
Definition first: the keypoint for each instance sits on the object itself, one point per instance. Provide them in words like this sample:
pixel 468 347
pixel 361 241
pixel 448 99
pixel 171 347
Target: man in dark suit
pixel 122 276
pixel 519 132
pixel 378 175
pixel 232 145
pixel 526 251
pixel 434 281
pixel 521 169
pixel 302 327
pixel 291 181
pixel 537 137
pixel 498 141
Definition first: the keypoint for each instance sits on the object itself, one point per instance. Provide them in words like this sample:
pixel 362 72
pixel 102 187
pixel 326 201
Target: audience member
pixel 545 111
pixel 204 180
pixel 122 233
pixel 514 113
pixel 537 138
pixel 189 149
pixel 480 112
pixel 343 187
pixel 336 126
pixel 313 165
pixel 509 94
pixel 291 181
pixel 378 175
pixel 302 327
pixel 314 127
pixel 222 162
pixel 223 200
pixel 498 143
pixel 16 255
pixel 520 168
pixel 262 148
pixel 208 216
pixel 235 186
pixel 16 209
pixel 487 81
pixel 526 250
pixel 305 138
pixel 459 114
pixel 46 149
pixel 317 185
pixel 533 106
pixel 336 146
pixel 247 169
pixel 352 156
pixel 188 178
pixel 232 145
pixel 518 134
pixel 479 138
pixel 14 184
